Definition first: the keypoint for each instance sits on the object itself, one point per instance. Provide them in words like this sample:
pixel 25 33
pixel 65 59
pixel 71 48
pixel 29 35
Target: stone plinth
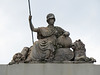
pixel 50 69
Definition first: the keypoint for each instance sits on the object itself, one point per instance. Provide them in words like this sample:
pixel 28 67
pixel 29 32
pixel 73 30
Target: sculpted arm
pixel 65 33
pixel 31 25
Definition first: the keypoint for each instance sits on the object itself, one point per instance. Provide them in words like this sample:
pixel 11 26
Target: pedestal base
pixel 50 69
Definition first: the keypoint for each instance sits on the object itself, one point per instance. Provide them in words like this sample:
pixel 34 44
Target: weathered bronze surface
pixel 53 45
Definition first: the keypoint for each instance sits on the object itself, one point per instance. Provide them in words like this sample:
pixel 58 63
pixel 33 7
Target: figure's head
pixel 50 18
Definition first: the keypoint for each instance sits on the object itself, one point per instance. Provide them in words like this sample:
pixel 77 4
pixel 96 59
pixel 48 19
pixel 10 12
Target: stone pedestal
pixel 50 69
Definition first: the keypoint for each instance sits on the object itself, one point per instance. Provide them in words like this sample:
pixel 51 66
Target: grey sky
pixel 79 17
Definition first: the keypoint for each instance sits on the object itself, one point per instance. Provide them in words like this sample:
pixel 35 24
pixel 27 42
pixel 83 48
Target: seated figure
pixel 54 44
pixel 44 49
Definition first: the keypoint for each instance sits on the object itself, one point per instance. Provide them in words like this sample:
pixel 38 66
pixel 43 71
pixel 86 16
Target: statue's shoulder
pixel 59 31
pixel 41 27
pixel 59 28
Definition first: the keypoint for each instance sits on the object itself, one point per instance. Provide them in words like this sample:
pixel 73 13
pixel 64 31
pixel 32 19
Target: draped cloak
pixel 44 48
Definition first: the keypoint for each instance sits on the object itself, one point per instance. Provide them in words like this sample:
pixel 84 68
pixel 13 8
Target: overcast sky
pixel 80 17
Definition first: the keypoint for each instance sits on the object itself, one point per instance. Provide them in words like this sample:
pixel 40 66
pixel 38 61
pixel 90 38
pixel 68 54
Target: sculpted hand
pixel 30 18
pixel 66 34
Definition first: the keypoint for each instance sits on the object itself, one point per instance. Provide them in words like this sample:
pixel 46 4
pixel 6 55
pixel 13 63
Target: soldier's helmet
pixel 50 16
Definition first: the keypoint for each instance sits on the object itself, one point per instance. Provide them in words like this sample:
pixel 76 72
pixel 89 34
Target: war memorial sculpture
pixel 54 45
